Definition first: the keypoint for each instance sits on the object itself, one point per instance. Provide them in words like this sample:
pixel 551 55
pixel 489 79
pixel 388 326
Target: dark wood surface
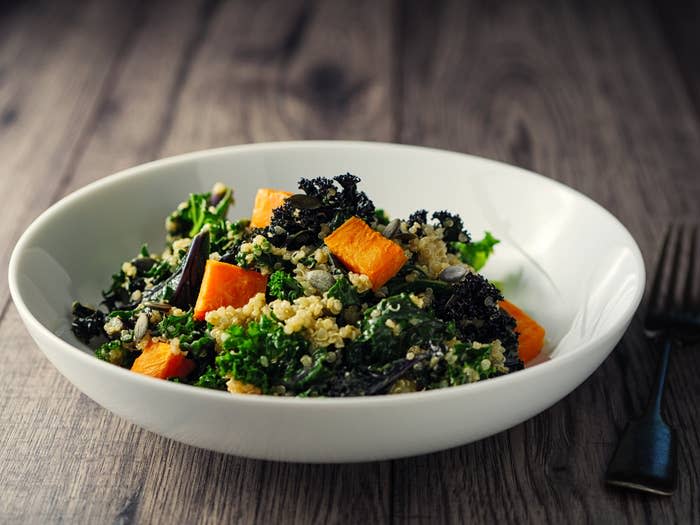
pixel 601 96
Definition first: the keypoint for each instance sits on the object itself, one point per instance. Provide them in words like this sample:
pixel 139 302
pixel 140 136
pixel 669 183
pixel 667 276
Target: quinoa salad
pixel 319 293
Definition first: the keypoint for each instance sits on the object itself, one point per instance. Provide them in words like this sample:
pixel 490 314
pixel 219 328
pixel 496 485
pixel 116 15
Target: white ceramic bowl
pixel 562 257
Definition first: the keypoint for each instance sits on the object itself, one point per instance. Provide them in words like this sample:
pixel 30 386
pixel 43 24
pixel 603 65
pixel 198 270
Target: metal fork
pixel 645 458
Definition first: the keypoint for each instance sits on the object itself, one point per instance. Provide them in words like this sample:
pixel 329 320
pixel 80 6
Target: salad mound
pixel 318 294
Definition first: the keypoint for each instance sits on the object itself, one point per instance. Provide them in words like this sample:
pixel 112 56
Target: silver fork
pixel 645 458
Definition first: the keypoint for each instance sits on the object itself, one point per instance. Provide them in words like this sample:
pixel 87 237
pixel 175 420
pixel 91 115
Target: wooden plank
pixel 292 71
pixel 127 125
pixel 156 95
pixel 48 87
pixel 586 94
pixel 680 20
pixel 270 71
pixel 62 456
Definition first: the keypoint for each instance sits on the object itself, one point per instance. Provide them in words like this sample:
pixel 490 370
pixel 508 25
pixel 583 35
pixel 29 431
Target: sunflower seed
pixel 156 305
pixel 304 202
pixel 141 326
pixel 320 279
pixel 452 274
pixel 391 228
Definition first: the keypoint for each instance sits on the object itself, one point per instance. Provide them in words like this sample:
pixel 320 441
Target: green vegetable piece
pixel 345 292
pixel 113 352
pixel 391 327
pixel 261 354
pixel 475 254
pixel 381 216
pixel 282 285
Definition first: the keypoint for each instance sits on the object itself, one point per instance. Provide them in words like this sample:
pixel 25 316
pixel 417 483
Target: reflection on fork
pixel 645 458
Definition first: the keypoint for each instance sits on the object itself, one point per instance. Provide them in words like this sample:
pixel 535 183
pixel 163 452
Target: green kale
pixel 475 254
pixel 87 322
pixel 391 327
pixel 327 204
pixel 381 216
pixel 282 285
pixel 114 352
pixel 471 362
pixel 345 292
pixel 472 304
pixel 453 227
pixel 262 354
pixel 202 209
pixel 260 257
pixel 193 335
pixel 211 378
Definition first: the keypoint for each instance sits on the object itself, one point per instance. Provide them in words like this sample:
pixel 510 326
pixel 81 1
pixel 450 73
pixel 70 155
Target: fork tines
pixel 673 295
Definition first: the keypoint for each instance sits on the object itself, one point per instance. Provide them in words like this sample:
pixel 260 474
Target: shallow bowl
pixel 563 258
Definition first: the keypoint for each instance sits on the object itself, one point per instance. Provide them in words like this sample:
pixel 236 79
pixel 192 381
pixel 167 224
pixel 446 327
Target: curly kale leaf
pixel 330 203
pixel 211 378
pixel 453 227
pixel 391 327
pixel 87 322
pixel 472 305
pixel 193 335
pixel 261 354
pixel 476 253
pixel 345 292
pixel 114 352
pixel 282 285
pixel 419 216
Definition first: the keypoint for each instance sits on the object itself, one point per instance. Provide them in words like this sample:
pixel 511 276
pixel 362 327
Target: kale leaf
pixel 262 354
pixel 472 305
pixel 391 327
pixel 476 253
pixel 282 285
pixel 329 203
pixel 87 322
pixel 345 292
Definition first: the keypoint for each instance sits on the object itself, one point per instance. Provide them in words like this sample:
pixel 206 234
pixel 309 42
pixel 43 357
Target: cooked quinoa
pixel 294 308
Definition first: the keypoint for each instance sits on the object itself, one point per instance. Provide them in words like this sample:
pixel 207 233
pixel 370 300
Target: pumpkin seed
pixel 304 202
pixel 452 274
pixel 320 279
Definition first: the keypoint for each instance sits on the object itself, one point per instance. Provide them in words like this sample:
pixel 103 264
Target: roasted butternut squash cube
pixel 363 250
pixel 266 200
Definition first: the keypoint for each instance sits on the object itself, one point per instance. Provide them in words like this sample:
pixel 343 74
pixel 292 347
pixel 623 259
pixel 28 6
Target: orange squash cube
pixel 266 200
pixel 226 284
pixel 363 250
pixel 159 360
pixel 530 333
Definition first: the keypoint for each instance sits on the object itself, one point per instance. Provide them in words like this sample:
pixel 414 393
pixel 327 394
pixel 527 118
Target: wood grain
pixel 586 95
pixel 158 99
pixel 597 96
pixel 48 89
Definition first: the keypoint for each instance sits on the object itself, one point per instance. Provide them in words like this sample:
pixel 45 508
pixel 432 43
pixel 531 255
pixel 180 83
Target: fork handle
pixel 657 394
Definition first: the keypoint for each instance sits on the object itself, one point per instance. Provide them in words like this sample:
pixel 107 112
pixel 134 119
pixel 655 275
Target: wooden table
pixel 604 97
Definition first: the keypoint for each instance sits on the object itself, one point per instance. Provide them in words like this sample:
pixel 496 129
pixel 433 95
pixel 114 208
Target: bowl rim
pixel 484 386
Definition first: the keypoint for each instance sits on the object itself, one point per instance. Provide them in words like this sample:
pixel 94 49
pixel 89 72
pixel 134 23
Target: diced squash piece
pixel 226 284
pixel 160 360
pixel 266 200
pixel 366 251
pixel 530 333
pixel 239 387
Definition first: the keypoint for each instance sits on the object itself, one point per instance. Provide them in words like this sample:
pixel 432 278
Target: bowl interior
pixel 562 257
